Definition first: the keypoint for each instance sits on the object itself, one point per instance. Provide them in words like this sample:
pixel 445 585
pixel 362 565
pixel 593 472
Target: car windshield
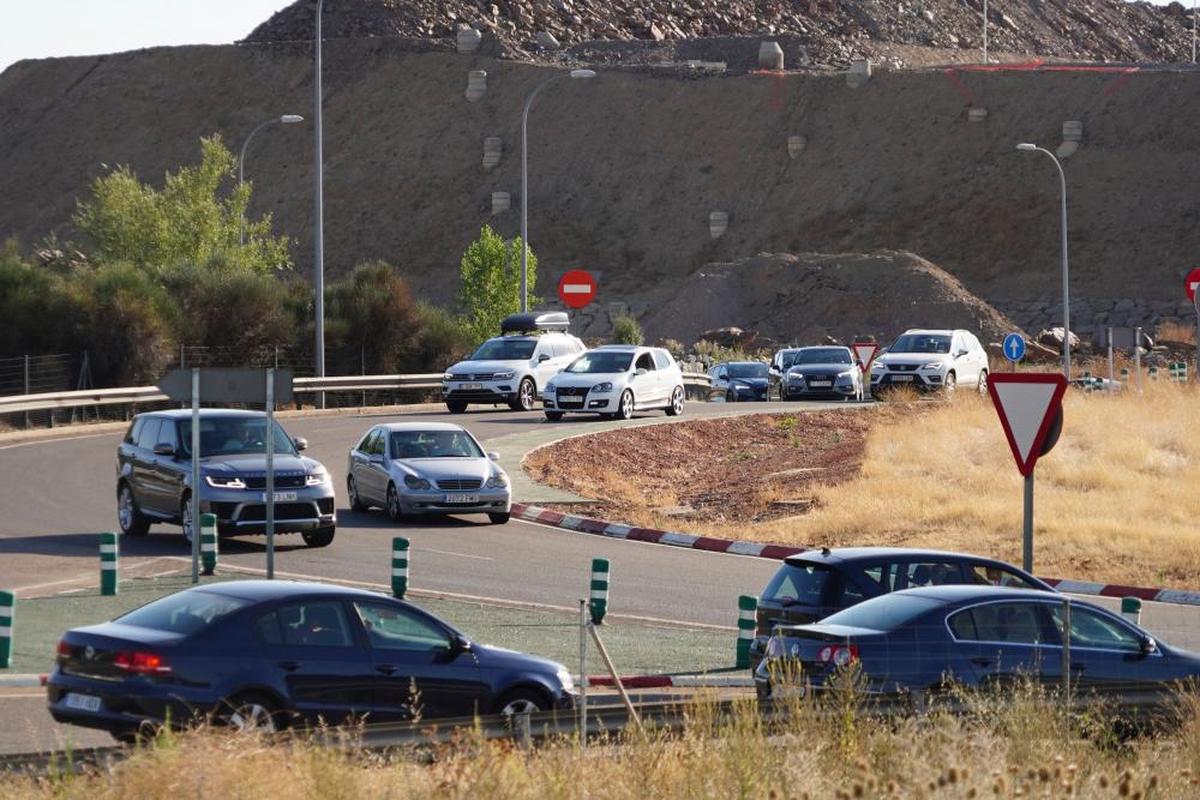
pixel 823 355
pixel 434 444
pixel 884 613
pixel 183 612
pixel 505 350
pixel 226 436
pixel 799 584
pixel 921 343
pixel 598 362
pixel 748 370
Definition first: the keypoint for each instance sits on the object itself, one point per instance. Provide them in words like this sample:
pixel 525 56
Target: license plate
pixel 470 387
pixel 901 378
pixel 462 499
pixel 281 497
pixel 820 384
pixel 82 702
pixel 570 401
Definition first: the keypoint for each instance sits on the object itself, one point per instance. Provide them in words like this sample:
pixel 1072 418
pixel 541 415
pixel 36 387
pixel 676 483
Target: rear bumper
pixel 125 706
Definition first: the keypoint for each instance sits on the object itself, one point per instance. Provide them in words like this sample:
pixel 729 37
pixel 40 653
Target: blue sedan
pixel 738 381
pixel 270 654
pixel 921 640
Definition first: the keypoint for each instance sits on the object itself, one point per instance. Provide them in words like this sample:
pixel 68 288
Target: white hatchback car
pixel 931 360
pixel 615 381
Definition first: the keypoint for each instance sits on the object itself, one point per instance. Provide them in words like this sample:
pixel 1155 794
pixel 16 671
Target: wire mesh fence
pixel 35 374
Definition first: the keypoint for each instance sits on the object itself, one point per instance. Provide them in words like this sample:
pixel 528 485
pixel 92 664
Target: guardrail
pixel 90 398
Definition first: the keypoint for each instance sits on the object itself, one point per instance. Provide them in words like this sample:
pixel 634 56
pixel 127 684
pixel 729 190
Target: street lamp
pixel 1062 177
pixel 319 227
pixel 577 74
pixel 286 119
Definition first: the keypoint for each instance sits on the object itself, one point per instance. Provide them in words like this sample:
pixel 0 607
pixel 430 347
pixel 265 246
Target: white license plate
pixel 570 401
pixel 820 384
pixel 462 499
pixel 470 387
pixel 281 497
pixel 901 378
pixel 83 702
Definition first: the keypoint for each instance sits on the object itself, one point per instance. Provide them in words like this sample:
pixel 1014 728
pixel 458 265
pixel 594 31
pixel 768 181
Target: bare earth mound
pixel 800 298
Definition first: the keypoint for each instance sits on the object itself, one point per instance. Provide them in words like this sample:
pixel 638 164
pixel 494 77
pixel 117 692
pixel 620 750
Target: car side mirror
pixel 459 645
pixel 960 354
pixel 722 375
pixel 1149 646
pixel 164 449
pixel 642 371
pixel 543 358
pixel 493 455
pixel 300 442
pixel 375 458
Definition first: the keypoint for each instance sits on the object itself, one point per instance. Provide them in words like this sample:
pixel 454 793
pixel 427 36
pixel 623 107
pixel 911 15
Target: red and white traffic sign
pixel 865 353
pixel 1029 403
pixel 577 288
pixel 1192 284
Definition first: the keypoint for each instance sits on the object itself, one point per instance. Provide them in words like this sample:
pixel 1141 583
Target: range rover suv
pixel 154 476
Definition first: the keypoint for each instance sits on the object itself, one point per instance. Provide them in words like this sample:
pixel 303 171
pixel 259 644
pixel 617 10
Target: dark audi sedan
pixel 920 640
pixel 271 654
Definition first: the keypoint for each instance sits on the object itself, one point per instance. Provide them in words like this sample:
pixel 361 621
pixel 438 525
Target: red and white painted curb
pixel 740 680
pixel 616 530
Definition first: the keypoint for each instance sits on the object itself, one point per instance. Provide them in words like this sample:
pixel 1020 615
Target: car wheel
pixel 254 713
pixel 321 537
pixel 526 396
pixel 625 409
pixel 129 516
pixel 676 407
pixel 394 511
pixel 456 406
pixel 983 378
pixel 951 383
pixel 554 416
pixel 186 520
pixel 499 519
pixel 521 701
pixel 356 502
pixel 730 396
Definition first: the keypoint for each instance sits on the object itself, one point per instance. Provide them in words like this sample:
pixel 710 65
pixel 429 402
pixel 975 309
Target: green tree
pixel 196 217
pixel 491 282
pixel 124 320
pixel 627 331
pixel 38 313
pixel 373 311
pixel 444 339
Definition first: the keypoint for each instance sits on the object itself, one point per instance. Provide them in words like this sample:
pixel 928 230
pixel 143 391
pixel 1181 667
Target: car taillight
pixel 63 649
pixel 839 654
pixel 141 663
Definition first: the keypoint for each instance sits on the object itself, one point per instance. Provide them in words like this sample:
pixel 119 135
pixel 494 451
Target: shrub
pixel 124 320
pixel 372 312
pixel 627 331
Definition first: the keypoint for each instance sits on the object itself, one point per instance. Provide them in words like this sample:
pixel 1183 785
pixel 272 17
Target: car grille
pixel 281 482
pixel 902 367
pixel 573 391
pixel 283 511
pixel 468 376
pixel 460 484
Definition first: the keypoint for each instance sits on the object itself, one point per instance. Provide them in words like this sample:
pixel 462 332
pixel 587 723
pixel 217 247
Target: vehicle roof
pixel 420 426
pixel 932 331
pixel 955 593
pixel 621 348
pixel 848 555
pixel 732 363
pixel 261 590
pixel 186 413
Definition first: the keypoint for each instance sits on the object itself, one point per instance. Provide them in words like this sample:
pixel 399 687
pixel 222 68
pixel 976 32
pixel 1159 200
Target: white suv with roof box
pixel 513 368
pixel 930 360
pixel 616 380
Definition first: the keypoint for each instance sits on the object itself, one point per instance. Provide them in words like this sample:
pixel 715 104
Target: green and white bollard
pixel 109 551
pixel 8 609
pixel 208 543
pixel 1153 372
pixel 1125 375
pixel 1131 609
pixel 747 611
pixel 400 547
pixel 599 590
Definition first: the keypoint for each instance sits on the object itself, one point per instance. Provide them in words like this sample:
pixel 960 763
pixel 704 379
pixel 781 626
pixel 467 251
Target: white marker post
pixel 195 475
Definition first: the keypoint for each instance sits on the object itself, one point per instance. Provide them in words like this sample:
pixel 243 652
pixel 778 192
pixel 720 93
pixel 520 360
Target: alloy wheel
pixel 125 508
pixel 526 395
pixel 253 717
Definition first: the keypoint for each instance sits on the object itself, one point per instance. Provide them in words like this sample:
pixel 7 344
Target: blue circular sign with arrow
pixel 1014 347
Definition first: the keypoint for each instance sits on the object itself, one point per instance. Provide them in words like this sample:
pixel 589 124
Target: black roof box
pixel 535 321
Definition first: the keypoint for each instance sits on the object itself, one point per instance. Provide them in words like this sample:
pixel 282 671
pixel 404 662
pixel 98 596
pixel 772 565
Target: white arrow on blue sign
pixel 1014 347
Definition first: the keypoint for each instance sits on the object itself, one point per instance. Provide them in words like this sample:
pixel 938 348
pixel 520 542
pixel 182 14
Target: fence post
pixel 209 552
pixel 599 592
pixel 400 547
pixel 109 551
pixel 8 609
pixel 747 611
pixel 1131 609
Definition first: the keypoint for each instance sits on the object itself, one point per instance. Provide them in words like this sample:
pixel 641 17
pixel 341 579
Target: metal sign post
pixel 1137 357
pixel 1191 286
pixel 195 500
pixel 270 494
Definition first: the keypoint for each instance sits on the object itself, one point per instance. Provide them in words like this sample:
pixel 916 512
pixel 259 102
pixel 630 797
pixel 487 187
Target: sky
pixel 44 28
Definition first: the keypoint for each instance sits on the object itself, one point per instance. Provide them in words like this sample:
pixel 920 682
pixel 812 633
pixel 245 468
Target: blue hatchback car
pixel 270 654
pixel 921 640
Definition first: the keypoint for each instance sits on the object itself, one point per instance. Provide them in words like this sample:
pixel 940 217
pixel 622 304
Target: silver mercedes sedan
pixel 412 469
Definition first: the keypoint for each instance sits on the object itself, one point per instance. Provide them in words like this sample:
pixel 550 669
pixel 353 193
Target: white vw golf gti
pixel 615 381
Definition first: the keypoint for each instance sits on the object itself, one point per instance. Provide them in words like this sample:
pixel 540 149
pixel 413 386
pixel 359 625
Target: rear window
pixel 800 584
pixel 884 613
pixel 185 612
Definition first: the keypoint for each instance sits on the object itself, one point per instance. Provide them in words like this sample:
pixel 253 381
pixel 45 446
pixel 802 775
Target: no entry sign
pixel 1192 283
pixel 577 288
pixel 1028 404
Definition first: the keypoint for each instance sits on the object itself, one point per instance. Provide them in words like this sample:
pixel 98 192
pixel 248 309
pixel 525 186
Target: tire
pixel 394 511
pixel 129 516
pixel 526 396
pixel 356 503
pixel 730 396
pixel 321 537
pixel 456 406
pixel 554 416
pixel 951 383
pixel 499 519
pixel 625 407
pixel 185 518
pixel 676 407
pixel 252 712
pixel 517 701
pixel 983 379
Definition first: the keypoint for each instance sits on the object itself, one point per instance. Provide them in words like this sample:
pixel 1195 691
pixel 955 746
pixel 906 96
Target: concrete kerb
pixel 22 681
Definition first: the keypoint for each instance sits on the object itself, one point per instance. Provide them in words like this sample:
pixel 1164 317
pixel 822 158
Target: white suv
pixel 512 368
pixel 930 360
pixel 616 380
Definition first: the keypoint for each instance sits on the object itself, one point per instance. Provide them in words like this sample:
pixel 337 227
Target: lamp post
pixel 1062 177
pixel 319 227
pixel 985 30
pixel 286 119
pixel 577 74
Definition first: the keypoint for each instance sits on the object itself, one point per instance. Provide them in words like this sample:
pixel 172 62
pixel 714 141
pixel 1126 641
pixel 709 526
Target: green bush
pixel 39 315
pixel 372 312
pixel 627 331
pixel 491 282
pixel 124 323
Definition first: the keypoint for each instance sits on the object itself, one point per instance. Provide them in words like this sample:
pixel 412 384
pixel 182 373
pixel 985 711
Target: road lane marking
pixel 452 553
pixel 59 439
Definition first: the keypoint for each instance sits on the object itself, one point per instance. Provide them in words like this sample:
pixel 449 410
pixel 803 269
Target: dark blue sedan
pixel 738 381
pixel 922 640
pixel 271 654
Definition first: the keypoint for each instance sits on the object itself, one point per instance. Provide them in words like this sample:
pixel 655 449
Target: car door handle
pixel 386 669
pixel 980 661
pixel 289 666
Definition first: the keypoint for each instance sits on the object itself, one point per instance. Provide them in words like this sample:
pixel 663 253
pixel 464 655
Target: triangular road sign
pixel 1027 403
pixel 865 353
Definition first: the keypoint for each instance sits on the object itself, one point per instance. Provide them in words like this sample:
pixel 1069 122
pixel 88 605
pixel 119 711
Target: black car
pixel 277 653
pixel 812 585
pixel 918 641
pixel 739 380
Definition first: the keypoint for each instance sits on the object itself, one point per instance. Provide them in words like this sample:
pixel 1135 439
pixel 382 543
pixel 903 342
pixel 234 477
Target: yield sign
pixel 865 353
pixel 577 288
pixel 1028 404
pixel 1192 284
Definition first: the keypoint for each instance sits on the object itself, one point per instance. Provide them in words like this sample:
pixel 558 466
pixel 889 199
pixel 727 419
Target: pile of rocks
pixel 1093 30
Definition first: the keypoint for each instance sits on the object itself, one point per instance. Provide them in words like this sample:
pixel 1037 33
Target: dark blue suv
pixel 270 654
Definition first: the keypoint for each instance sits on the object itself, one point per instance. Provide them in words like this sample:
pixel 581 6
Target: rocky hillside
pixel 1094 30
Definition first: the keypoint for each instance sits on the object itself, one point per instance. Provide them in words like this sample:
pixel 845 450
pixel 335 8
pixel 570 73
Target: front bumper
pixel 921 381
pixel 434 501
pixel 244 511
pixel 591 403
pixel 485 392
pixel 749 393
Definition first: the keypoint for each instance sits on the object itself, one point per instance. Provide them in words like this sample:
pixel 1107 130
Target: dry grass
pixel 1175 331
pixel 1017 749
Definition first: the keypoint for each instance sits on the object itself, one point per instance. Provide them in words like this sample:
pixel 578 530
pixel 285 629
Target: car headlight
pixel 933 365
pixel 845 377
pixel 602 387
pixel 497 481
pixel 504 376
pixel 549 389
pixel 316 478
pixel 564 677
pixel 796 377
pixel 413 482
pixel 225 482
pixel 878 366
pixel 446 376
